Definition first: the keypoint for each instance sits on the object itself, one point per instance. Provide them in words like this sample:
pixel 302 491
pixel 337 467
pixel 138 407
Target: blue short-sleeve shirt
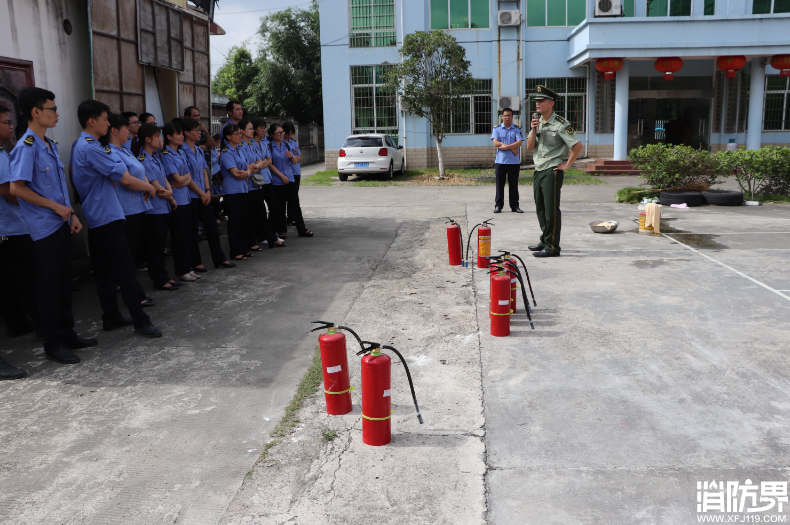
pixel 232 158
pixel 214 161
pixel 507 136
pixel 132 202
pixel 11 220
pixel 95 169
pixel 196 163
pixel 263 153
pixel 297 168
pixel 41 169
pixel 128 143
pixel 154 171
pixel 281 162
pixel 175 162
pixel 251 155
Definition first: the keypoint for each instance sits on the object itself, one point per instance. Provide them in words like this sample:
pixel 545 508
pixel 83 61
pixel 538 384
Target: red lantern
pixel 782 63
pixel 730 64
pixel 668 66
pixel 609 66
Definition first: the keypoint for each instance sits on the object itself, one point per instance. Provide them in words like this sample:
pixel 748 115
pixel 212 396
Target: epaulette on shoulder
pixel 30 140
pixel 52 140
pixel 165 151
pixel 89 139
pixel 559 118
pixel 224 149
pixel 107 149
pixel 141 157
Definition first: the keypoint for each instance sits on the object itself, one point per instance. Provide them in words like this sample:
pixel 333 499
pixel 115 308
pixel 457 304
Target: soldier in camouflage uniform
pixel 553 136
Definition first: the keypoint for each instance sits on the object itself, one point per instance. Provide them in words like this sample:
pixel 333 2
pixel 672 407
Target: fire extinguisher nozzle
pixel 419 418
pixel 534 303
pixel 532 325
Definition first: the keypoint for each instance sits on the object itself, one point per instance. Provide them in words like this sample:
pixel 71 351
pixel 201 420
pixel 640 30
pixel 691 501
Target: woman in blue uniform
pixel 263 228
pixel 294 208
pixel 157 220
pixel 252 207
pixel 281 168
pixel 235 172
pixel 177 171
pixel 133 203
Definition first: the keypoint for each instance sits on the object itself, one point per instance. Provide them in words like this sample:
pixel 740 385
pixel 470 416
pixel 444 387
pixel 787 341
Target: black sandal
pixel 256 249
pixel 308 233
pixel 240 258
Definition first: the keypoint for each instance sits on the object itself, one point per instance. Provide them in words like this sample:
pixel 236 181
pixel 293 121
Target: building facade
pixel 557 43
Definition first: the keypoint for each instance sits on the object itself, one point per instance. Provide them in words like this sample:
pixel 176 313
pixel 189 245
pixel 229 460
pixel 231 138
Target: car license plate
pixel 361 164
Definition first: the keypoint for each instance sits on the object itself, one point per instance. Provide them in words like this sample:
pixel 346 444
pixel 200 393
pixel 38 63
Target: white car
pixel 371 153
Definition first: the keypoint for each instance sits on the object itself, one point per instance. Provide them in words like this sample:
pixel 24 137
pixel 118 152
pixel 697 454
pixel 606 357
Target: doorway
pixel 678 121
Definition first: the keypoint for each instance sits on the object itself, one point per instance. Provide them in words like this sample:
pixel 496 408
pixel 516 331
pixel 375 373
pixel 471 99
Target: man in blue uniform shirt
pixel 134 125
pixel 39 184
pixel 507 139
pixel 95 171
pixel 235 113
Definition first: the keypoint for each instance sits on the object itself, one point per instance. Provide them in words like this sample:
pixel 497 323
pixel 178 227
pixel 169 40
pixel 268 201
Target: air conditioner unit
pixel 509 18
pixel 610 8
pixel 406 108
pixel 512 102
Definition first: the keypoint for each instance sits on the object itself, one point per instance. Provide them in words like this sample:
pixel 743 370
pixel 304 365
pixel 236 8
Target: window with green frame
pixel 776 112
pixel 459 14
pixel 472 114
pixel 372 23
pixel 765 7
pixel 668 7
pixel 710 7
pixel 374 109
pixel 556 12
pixel 571 103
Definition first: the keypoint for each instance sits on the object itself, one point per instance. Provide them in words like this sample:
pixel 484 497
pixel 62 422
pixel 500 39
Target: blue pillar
pixel 754 135
pixel 621 113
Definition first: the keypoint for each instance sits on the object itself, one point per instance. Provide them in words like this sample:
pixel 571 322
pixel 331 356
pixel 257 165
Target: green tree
pixel 431 79
pixel 236 77
pixel 289 65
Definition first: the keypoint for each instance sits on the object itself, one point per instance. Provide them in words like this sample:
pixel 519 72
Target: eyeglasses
pixel 53 108
pixel 9 122
pixel 279 132
pixel 135 122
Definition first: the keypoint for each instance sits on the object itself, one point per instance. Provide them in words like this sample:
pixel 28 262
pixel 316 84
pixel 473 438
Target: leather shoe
pixel 517 210
pixel 147 329
pixel 148 302
pixel 497 209
pixel 535 248
pixel 61 354
pixel 109 326
pixel 199 270
pixel 10 372
pixel 78 342
pixel 544 253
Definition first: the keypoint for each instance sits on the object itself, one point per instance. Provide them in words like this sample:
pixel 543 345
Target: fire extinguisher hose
pixel 534 302
pixel 469 240
pixel 523 292
pixel 411 384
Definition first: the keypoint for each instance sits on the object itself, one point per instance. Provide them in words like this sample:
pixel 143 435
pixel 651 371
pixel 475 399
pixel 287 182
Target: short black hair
pixel 129 114
pixel 288 127
pixel 507 109
pixel 117 121
pixel 188 111
pixel 89 109
pixel 230 104
pixel 189 124
pixel 21 128
pixel 259 123
pixel 145 116
pixel 171 128
pixel 32 97
pixel 4 109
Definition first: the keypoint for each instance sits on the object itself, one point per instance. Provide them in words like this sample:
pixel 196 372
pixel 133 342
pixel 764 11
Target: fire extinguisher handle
pixel 324 324
pixel 371 346
pixel 534 302
pixel 352 332
pixel 411 384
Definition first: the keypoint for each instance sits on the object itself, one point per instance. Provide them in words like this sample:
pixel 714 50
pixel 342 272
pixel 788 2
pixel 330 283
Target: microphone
pixel 537 131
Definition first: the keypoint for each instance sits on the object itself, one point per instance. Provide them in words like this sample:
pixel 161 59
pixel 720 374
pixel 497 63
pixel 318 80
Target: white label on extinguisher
pixel 333 369
pixel 504 302
pixel 513 280
pixel 387 393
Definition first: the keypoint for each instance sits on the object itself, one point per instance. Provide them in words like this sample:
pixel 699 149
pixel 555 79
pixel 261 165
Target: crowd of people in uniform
pixel 138 184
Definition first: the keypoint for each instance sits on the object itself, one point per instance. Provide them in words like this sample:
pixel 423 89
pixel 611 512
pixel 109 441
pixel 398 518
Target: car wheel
pixel 723 197
pixel 402 168
pixel 389 173
pixel 691 198
pixel 342 176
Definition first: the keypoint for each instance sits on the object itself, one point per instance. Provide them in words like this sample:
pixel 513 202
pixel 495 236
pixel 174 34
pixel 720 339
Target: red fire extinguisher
pixel 500 303
pixel 334 366
pixel 510 264
pixel 483 242
pixel 455 243
pixel 377 394
pixel 506 270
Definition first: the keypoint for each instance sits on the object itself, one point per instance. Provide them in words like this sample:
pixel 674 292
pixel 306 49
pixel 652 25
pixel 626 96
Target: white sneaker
pixel 193 274
pixel 187 277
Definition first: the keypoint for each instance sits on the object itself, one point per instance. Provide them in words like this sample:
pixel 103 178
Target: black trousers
pixel 52 256
pixel 258 227
pixel 113 262
pixel 509 172
pixel 134 228
pixel 235 207
pixel 290 206
pixel 294 206
pixel 156 227
pixel 181 238
pixel 18 282
pixel 205 216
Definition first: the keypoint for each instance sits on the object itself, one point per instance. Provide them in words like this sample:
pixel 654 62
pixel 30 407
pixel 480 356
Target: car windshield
pixel 363 142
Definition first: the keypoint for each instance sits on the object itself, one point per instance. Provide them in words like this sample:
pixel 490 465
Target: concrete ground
pixel 656 362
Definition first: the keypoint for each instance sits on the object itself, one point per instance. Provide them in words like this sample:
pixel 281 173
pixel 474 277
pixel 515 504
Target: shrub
pixel 669 166
pixel 761 171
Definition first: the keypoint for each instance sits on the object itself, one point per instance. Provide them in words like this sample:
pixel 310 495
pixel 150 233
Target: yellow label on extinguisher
pixel 484 246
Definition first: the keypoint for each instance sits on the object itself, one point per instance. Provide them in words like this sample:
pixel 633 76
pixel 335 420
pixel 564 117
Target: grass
pixel 427 177
pixel 769 199
pixel 628 195
pixel 328 435
pixel 307 387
